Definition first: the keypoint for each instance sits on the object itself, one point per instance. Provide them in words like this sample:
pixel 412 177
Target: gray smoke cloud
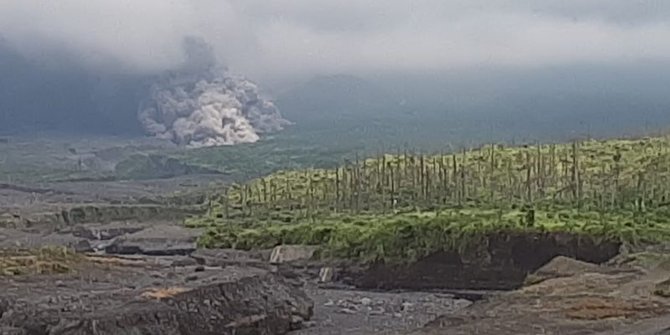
pixel 284 43
pixel 201 104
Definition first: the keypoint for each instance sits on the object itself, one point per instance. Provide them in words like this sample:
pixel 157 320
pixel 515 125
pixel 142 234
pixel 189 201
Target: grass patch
pixel 48 260
pixel 402 206
pixel 407 237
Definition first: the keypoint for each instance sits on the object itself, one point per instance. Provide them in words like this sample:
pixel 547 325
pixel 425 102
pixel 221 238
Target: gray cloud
pixel 293 38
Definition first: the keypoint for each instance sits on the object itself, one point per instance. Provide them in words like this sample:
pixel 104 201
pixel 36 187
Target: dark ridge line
pixel 27 189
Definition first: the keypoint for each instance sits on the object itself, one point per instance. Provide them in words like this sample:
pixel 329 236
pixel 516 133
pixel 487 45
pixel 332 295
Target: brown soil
pixel 577 299
pixel 500 262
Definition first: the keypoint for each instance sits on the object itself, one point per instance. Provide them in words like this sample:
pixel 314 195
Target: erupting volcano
pixel 202 104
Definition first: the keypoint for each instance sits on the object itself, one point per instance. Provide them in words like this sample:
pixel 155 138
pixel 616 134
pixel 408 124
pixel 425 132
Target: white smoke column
pixel 202 105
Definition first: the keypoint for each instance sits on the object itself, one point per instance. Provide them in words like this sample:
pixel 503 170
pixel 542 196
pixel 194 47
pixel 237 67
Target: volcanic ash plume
pixel 201 105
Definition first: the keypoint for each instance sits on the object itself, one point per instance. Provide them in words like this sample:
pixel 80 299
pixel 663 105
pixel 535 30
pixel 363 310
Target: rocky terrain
pixel 153 278
pixel 150 277
pixel 116 296
pixel 139 270
pixel 568 297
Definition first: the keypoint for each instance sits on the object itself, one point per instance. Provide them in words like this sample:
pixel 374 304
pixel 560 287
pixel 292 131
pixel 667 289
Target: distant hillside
pixel 339 97
pixel 484 105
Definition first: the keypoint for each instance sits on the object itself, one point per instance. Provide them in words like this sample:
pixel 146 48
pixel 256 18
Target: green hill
pixel 405 205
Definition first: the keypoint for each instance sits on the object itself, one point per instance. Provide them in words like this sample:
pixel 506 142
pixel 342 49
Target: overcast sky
pixel 292 38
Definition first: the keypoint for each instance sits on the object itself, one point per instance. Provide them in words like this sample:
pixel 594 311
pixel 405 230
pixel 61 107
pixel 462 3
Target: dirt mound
pixel 112 298
pixel 601 308
pixel 165 240
pixel 573 298
pixel 561 266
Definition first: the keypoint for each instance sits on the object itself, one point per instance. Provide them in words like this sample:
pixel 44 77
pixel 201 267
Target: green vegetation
pixel 48 260
pixel 141 166
pixel 405 237
pixel 406 205
pixel 290 149
pixel 246 161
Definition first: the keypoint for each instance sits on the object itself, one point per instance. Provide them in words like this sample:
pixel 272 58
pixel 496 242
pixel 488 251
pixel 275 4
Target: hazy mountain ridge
pixel 548 103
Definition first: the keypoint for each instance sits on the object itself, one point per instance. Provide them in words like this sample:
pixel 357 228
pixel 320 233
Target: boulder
pixel 291 253
pixel 15 238
pixel 561 266
pixel 156 241
pixel 8 220
pixel 662 288
pixel 227 257
pixel 105 232
pixel 326 275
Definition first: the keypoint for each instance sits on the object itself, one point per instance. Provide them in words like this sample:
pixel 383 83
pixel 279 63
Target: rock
pixel 226 257
pixel 376 312
pixel 560 267
pixel 326 275
pixel 346 311
pixel 662 289
pixel 156 241
pixel 13 238
pixel 345 303
pixel 296 322
pixel 185 261
pixel 599 300
pixel 100 245
pixel 646 260
pixel 81 246
pixel 10 220
pixel 255 305
pixel 366 301
pixel 289 253
pixel 653 326
pixel 4 306
pixel 308 324
pixel 105 232
pixel 12 331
